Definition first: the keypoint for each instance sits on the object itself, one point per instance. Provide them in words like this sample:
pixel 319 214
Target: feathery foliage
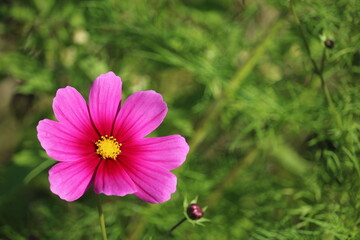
pixel 271 113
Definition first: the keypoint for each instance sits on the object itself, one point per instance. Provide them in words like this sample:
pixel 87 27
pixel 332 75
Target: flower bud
pixel 329 43
pixel 194 211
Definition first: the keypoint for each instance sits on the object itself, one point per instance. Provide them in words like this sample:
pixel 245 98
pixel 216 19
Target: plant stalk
pixel 174 227
pixel 101 217
pixel 318 70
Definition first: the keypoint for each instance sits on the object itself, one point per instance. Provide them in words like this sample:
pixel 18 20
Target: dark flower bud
pixel 194 211
pixel 329 43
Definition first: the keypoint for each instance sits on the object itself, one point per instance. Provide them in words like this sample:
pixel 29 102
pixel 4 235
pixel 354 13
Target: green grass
pixel 271 114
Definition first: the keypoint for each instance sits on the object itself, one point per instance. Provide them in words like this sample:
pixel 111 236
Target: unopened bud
pixel 194 211
pixel 329 43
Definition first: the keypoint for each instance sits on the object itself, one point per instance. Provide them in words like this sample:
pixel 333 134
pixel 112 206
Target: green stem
pixel 174 227
pixel 318 71
pixel 101 217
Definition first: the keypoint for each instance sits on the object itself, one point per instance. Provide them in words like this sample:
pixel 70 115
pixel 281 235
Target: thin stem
pixel 101 217
pixel 318 71
pixel 322 65
pixel 307 48
pixel 174 227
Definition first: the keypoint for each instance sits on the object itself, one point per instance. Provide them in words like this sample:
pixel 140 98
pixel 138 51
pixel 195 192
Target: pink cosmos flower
pixel 103 143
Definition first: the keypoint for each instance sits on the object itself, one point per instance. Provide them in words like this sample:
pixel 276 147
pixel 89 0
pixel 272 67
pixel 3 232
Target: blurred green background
pixel 271 113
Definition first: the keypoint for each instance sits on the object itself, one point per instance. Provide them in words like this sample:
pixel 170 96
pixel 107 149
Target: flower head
pixel 103 143
pixel 329 43
pixel 194 211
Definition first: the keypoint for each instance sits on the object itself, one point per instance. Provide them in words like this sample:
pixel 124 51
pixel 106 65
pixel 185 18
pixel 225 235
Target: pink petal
pixel 167 152
pixel 112 179
pixel 70 108
pixel 104 101
pixel 141 113
pixel 155 184
pixel 70 180
pixel 61 142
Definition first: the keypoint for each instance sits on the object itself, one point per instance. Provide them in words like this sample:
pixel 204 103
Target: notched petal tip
pixel 104 101
pixel 42 133
pixel 154 184
pixel 168 152
pixel 61 92
pixel 65 198
pixel 141 113
pixel 61 142
pixel 184 144
pixel 183 148
pixel 70 180
pixel 70 108
pixel 161 196
pixel 109 76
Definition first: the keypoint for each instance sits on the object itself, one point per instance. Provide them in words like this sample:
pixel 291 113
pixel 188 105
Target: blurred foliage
pixel 268 156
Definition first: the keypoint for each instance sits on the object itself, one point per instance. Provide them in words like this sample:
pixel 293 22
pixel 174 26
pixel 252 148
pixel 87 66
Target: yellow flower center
pixel 108 147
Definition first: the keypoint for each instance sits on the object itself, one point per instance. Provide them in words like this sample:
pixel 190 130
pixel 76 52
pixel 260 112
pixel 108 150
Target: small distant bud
pixel 194 211
pixel 329 43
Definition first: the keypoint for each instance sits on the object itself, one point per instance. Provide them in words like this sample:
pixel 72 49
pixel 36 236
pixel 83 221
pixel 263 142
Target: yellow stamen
pixel 108 147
